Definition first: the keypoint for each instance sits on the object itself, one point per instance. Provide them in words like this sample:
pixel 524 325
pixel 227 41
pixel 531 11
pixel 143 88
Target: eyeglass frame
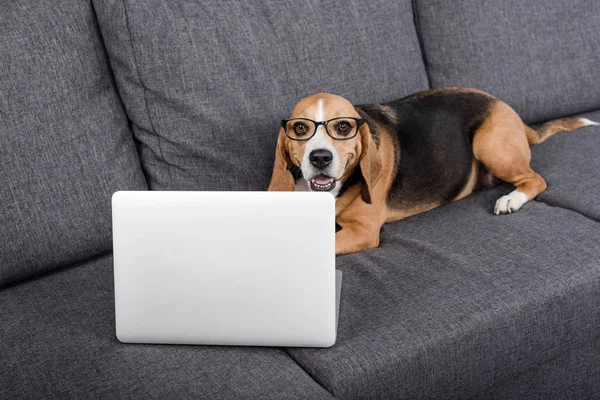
pixel 359 123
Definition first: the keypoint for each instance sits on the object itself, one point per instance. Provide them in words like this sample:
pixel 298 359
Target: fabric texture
pixel 541 57
pixel 65 145
pixel 457 300
pixel 206 84
pixel 569 163
pixel 563 378
pixel 58 342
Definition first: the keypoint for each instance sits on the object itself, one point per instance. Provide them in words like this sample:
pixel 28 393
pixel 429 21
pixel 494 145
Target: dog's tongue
pixel 322 179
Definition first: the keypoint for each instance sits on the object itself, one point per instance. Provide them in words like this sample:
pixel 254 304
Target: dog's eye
pixel 300 129
pixel 343 128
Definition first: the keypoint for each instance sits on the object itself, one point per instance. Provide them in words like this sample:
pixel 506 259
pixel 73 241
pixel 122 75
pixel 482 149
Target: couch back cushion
pixel 206 83
pixel 542 57
pixel 65 145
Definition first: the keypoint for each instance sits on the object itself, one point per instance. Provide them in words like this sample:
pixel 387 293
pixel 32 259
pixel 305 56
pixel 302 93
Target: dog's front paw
pixel 510 203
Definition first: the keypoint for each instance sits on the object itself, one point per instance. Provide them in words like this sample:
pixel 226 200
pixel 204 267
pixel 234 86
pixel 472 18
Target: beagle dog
pixel 386 162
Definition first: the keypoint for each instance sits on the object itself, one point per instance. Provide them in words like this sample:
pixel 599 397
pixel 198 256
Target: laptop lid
pixel 225 268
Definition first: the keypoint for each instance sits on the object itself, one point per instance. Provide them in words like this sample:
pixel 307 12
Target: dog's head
pixel 327 140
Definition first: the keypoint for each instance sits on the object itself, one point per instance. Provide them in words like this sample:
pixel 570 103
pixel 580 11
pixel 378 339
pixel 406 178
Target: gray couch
pixel 186 95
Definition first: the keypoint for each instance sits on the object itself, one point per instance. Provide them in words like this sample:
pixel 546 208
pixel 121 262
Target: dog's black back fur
pixel 434 133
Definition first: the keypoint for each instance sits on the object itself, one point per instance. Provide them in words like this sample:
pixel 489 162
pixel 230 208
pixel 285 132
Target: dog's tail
pixel 535 136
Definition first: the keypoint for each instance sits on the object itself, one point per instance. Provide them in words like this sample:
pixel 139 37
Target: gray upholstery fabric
pixel 457 300
pixel 58 341
pixel 206 83
pixel 570 164
pixel 541 57
pixel 563 378
pixel 65 145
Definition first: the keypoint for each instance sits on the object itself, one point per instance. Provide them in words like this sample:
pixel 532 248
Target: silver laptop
pixel 225 268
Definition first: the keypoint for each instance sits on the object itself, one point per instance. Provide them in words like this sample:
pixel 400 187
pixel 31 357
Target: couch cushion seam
pixel 417 25
pixel 313 377
pixel 552 204
pixel 115 88
pixel 144 88
pixel 53 271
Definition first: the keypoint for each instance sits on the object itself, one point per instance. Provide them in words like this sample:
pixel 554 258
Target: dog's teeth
pixel 322 186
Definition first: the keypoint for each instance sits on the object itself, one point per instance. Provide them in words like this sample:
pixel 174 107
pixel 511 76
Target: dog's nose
pixel 320 158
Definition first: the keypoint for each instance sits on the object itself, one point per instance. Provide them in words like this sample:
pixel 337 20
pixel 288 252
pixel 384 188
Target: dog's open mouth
pixel 322 183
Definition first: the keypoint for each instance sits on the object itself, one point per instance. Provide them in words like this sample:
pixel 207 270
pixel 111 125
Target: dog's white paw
pixel 510 203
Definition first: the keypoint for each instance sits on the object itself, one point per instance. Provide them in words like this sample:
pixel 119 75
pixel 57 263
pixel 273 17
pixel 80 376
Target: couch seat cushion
pixel 207 83
pixel 564 377
pixel 570 164
pixel 541 57
pixel 65 144
pixel 57 340
pixel 458 299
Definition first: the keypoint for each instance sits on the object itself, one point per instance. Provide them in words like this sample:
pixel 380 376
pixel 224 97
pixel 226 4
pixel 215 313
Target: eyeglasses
pixel 302 129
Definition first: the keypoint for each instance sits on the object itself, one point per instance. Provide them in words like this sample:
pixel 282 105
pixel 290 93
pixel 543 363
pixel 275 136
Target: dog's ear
pixel 370 164
pixel 282 179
